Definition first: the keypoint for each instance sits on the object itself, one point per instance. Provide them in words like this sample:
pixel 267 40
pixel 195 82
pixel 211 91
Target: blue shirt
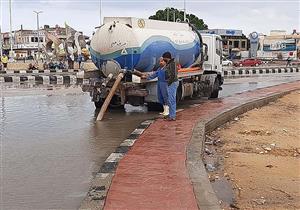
pixel 160 74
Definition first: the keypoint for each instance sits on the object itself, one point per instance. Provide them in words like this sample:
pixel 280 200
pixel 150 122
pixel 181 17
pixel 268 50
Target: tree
pixel 175 14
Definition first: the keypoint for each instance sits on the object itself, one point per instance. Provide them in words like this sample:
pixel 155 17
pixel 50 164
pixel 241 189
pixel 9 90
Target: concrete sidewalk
pixel 154 174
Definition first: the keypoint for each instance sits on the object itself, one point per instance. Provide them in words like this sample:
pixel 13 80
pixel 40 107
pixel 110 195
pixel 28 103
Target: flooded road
pixel 51 145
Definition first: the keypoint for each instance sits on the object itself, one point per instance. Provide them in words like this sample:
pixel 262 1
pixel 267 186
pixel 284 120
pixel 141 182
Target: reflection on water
pixel 52 146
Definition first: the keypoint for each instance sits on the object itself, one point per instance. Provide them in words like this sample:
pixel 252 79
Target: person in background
pixel 45 65
pixel 32 67
pixel 289 59
pixel 70 59
pixel 61 65
pixel 162 86
pixel 80 60
pixel 4 60
pixel 51 65
pixel 172 80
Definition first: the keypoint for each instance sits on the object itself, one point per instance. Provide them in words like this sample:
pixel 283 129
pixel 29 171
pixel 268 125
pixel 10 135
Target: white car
pixel 226 62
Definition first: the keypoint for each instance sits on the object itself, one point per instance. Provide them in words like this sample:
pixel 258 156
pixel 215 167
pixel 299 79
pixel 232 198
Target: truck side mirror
pixel 205 57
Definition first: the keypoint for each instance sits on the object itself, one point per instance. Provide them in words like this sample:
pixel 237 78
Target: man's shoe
pixel 166 110
pixel 170 119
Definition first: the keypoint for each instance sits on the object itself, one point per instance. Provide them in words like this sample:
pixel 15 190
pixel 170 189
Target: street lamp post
pixel 0 42
pixel 174 15
pixel 168 14
pixel 10 34
pixel 100 10
pixel 38 31
pixel 184 10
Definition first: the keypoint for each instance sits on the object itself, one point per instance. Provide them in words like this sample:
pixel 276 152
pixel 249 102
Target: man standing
pixel 171 77
pixel 162 86
pixel 4 60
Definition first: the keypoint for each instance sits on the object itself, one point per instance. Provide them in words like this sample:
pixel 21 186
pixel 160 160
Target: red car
pixel 248 62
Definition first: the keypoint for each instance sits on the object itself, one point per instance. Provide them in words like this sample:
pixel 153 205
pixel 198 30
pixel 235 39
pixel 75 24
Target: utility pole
pixel 0 42
pixel 100 10
pixel 174 14
pixel 11 35
pixel 184 10
pixel 38 32
pixel 168 14
pixel 0 30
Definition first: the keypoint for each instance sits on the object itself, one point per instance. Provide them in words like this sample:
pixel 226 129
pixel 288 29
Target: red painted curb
pixel 153 174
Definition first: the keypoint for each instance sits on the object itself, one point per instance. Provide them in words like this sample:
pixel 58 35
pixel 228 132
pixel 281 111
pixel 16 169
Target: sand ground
pixel 258 153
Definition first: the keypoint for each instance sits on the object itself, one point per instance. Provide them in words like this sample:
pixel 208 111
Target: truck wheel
pixel 215 92
pixel 179 93
pixel 98 104
pixel 114 103
pixel 154 107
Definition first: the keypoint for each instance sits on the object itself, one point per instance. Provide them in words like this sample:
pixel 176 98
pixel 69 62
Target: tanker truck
pixel 131 45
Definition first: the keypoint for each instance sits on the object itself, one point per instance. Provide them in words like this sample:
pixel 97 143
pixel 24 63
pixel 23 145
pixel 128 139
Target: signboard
pixel 279 45
pixel 223 32
pixel 253 44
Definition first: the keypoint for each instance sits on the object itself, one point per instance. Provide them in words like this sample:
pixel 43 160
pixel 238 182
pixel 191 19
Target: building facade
pixel 279 45
pixel 233 40
pixel 25 42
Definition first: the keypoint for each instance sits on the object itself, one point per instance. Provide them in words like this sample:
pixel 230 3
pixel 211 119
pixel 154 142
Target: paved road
pixel 51 145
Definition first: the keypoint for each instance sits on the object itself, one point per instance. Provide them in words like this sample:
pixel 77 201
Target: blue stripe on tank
pixel 145 58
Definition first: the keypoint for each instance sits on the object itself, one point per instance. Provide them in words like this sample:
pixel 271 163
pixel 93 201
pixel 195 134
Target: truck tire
pixel 215 92
pixel 114 103
pixel 179 93
pixel 154 107
pixel 98 104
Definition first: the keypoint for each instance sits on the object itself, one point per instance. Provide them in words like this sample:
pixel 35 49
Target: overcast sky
pixel 256 15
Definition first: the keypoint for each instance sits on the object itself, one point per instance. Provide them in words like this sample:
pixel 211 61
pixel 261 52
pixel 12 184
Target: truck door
pixel 218 55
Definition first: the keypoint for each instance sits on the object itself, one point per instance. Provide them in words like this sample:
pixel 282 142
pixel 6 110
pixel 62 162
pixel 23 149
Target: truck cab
pixel 214 47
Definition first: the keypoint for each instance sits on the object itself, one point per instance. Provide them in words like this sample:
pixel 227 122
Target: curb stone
pixel 39 71
pixel 205 195
pixel 95 198
pixel 44 79
pixel 267 70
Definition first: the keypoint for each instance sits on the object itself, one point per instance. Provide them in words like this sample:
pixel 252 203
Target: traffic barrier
pixel 257 71
pixel 9 76
pixel 44 79
pixel 40 71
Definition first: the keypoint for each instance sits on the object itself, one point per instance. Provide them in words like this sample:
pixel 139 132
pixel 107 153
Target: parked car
pixel 226 62
pixel 30 57
pixel 249 62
